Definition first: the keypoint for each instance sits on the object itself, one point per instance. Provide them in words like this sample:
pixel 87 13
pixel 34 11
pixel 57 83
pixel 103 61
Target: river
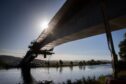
pixel 57 75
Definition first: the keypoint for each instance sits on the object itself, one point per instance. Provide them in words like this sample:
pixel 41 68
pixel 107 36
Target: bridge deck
pixel 79 19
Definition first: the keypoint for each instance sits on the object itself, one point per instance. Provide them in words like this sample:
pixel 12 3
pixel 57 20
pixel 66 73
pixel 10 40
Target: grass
pixel 122 73
pixel 89 80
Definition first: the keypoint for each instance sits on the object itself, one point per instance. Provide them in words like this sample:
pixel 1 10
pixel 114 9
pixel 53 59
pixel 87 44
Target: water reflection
pixel 71 68
pixel 61 69
pixel 26 76
pixel 29 79
pixel 81 67
pixel 60 74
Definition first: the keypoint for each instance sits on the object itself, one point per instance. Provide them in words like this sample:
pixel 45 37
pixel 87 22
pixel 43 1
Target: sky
pixel 20 23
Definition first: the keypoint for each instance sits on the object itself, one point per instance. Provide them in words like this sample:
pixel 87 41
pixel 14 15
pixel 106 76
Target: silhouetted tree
pixel 80 63
pixel 71 63
pixel 61 62
pixel 122 47
pixel 48 63
pixel 84 63
pixel 57 64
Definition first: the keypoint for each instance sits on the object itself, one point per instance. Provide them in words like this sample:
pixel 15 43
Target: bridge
pixel 79 19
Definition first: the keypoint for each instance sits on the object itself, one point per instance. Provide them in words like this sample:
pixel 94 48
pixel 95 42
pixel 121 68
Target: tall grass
pixel 83 80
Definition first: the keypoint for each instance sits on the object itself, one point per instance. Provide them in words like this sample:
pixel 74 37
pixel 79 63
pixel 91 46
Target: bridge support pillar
pixel 109 38
pixel 27 59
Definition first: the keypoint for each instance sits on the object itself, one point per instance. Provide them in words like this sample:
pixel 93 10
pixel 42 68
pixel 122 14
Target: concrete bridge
pixel 78 19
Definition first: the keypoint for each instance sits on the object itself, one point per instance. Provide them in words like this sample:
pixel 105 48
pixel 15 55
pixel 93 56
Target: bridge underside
pixel 91 31
pixel 79 19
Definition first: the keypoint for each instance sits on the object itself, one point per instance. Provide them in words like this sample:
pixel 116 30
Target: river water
pixel 57 75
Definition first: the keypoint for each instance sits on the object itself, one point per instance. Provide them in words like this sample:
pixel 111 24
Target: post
pixel 109 38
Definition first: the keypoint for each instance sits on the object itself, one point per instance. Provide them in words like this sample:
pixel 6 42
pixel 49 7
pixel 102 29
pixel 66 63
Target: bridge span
pixel 78 19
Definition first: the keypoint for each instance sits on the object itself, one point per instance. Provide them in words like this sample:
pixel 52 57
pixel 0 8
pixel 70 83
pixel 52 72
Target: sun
pixel 44 25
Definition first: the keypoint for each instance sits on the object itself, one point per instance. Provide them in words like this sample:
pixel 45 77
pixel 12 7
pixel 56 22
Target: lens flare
pixel 44 25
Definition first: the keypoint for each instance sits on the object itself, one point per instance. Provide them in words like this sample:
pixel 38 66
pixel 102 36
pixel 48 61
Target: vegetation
pixel 62 63
pixel 122 54
pixel 89 80
pixel 11 62
pixel 2 64
pixel 122 47
pixel 122 74
pixel 84 81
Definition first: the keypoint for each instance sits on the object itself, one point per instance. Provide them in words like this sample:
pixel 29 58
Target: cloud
pixel 17 53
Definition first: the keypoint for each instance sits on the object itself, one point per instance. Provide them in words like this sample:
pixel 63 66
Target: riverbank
pixel 13 62
pixel 90 80
pixel 57 75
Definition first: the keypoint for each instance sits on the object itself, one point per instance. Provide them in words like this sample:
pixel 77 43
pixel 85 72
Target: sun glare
pixel 44 25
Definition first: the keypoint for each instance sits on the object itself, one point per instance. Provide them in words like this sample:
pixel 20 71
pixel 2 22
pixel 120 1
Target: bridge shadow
pixel 26 76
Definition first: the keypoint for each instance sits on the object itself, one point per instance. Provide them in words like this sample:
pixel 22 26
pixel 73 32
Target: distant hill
pixel 11 61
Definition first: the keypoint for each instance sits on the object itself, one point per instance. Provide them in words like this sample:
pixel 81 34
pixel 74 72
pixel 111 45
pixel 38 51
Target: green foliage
pixel 89 80
pixel 93 62
pixel 3 65
pixel 122 47
pixel 101 79
pixel 60 62
pixel 71 63
pixel 122 74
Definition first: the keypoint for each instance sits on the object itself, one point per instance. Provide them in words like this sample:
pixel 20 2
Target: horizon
pixel 66 54
pixel 21 23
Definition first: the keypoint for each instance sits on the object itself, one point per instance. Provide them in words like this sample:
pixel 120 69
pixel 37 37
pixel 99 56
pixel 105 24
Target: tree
pixel 61 62
pixel 122 47
pixel 71 63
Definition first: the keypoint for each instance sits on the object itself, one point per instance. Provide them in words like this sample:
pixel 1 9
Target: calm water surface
pixel 57 75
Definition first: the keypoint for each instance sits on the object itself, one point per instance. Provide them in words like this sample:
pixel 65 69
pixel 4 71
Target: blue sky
pixel 94 47
pixel 20 24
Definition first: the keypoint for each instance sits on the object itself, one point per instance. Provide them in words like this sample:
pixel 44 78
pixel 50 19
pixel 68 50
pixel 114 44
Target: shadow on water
pixel 26 76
